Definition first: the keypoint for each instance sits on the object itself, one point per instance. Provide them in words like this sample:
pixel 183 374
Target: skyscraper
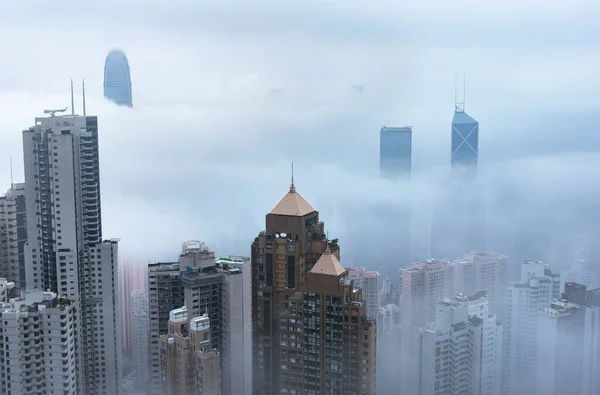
pixel 282 255
pixel 395 150
pixel 13 236
pixel 189 364
pixel 236 339
pixel 537 288
pixel 465 144
pixel 117 78
pixel 368 282
pixel 461 351
pixel 140 331
pixel 65 252
pixel 327 342
pixel 165 293
pixel 38 338
pixel 485 271
pixel 568 344
pixel 458 218
pixel 131 278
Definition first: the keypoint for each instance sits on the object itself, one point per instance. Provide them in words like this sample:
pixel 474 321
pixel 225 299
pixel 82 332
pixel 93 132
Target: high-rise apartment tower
pixel 65 252
pixel 189 364
pixel 140 331
pixel 327 341
pixel 13 236
pixel 165 293
pixel 537 288
pixel 39 344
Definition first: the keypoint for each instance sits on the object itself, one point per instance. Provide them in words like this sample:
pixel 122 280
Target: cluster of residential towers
pixel 287 319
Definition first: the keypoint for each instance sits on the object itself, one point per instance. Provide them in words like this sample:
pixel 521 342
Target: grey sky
pixel 202 155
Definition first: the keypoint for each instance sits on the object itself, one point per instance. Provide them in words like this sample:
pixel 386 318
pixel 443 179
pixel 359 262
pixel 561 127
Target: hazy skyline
pixel 203 156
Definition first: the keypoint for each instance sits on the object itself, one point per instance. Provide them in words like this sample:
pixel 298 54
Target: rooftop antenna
pixel 292 187
pixel 458 106
pixel 72 99
pixel 464 90
pixel 11 174
pixel 83 88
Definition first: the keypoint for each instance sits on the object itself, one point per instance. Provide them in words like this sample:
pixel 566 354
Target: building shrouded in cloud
pixel 117 78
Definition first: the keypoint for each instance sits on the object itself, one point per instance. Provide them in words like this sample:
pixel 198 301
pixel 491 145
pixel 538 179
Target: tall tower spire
pixel 72 99
pixel 83 89
pixel 459 106
pixel 292 187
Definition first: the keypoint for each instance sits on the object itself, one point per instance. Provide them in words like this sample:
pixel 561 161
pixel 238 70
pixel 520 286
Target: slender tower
pixel 465 140
pixel 282 255
pixel 65 252
pixel 459 218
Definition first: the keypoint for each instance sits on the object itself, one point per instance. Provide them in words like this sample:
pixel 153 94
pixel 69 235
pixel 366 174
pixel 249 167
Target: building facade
pixel 537 288
pixel 132 278
pixel 236 338
pixel 327 342
pixel 39 343
pixel 117 78
pixel 487 272
pixel 568 345
pixel 368 282
pixel 13 236
pixel 140 330
pixel 188 363
pixel 202 282
pixel 465 145
pixel 165 293
pixel 395 152
pixel 282 255
pixel 461 352
pixel 65 252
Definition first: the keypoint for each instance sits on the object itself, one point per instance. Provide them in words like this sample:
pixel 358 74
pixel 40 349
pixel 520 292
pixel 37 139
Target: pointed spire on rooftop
pixel 459 106
pixel 292 187
pixel 292 203
pixel 328 264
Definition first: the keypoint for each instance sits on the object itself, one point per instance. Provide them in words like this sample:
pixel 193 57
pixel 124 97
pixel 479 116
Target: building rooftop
pixel 33 300
pixel 329 265
pixel 292 204
pixel 462 118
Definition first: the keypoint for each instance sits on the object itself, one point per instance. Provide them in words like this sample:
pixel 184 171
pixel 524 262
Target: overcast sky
pixel 205 154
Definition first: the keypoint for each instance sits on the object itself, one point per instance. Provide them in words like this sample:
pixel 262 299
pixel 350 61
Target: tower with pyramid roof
pixel 327 341
pixel 282 257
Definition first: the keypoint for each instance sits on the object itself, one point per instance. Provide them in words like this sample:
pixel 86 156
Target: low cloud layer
pixel 206 152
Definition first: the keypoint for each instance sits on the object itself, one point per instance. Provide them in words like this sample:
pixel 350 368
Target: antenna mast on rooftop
pixel 72 99
pixel 11 174
pixel 459 106
pixel 83 88
pixel 292 186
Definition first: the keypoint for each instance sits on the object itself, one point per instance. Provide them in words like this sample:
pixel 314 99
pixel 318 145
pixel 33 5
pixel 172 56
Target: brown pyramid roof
pixel 328 264
pixel 293 204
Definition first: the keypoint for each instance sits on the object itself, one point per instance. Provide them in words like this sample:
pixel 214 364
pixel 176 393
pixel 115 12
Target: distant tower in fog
pixel 117 78
pixel 465 142
pixel 395 150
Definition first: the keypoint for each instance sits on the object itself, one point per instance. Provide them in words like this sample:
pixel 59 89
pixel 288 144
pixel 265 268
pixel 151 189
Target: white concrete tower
pixel 65 252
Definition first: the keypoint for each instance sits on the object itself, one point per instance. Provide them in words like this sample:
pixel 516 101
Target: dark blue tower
pixel 465 144
pixel 117 79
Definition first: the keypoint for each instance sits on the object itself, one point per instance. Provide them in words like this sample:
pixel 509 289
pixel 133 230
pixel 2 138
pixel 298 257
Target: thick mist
pixel 206 152
pixel 228 94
